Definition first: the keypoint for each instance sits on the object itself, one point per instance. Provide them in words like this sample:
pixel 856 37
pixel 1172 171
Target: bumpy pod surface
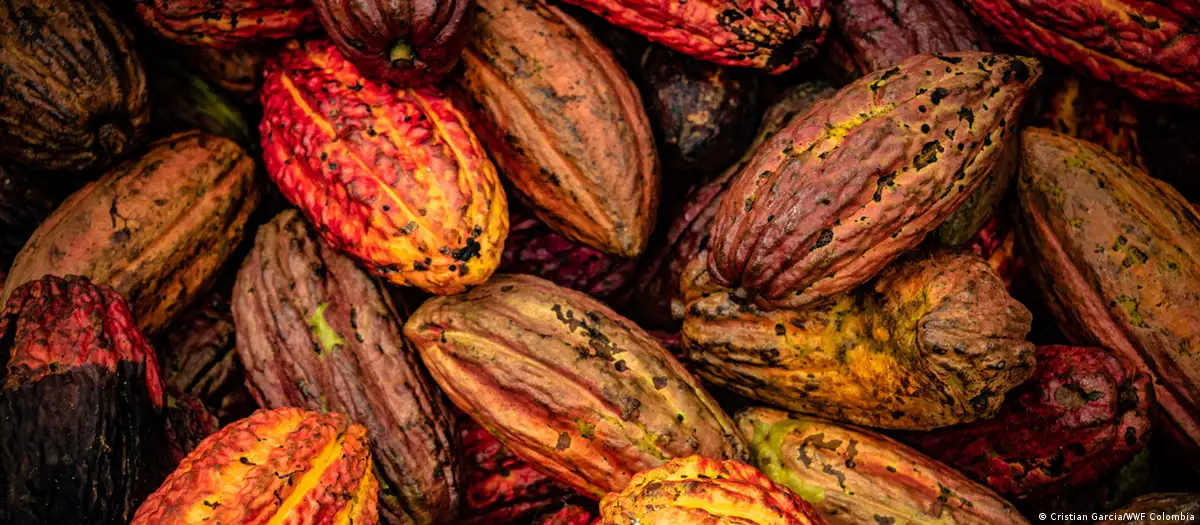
pixel 855 476
pixel 201 359
pixel 934 341
pixel 1082 414
pixel 833 198
pixel 284 466
pixel 564 123
pixel 1148 47
pixel 499 487
pixel 73 93
pixel 157 229
pixel 188 423
pixel 1167 508
pixel 1095 113
pixel 566 384
pixel 227 24
pixel 315 331
pixel 1116 255
pixel 392 177
pixel 703 490
pixel 407 42
pixel 533 248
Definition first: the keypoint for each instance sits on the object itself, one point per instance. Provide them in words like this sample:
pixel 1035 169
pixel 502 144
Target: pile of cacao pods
pixel 600 262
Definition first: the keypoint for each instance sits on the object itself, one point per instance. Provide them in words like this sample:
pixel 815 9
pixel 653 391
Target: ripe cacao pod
pixel 702 490
pixel 157 229
pixel 201 361
pixel 567 385
pixel 500 488
pixel 1157 509
pixel 277 466
pixel 25 201
pixel 1084 413
pixel 934 341
pixel 73 93
pixel 564 123
pixel 315 331
pixel 407 42
pixel 855 476
pixel 1150 49
pixel 1095 113
pixel 238 72
pixel 1116 255
pixel 391 177
pixel 227 24
pixel 82 439
pixel 533 248
pixel 833 198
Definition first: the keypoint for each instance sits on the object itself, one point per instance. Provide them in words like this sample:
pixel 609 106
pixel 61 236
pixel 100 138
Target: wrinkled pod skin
pixel 227 24
pixel 1168 508
pixel 833 198
pixel 200 359
pixel 934 341
pixel 499 487
pixel 568 385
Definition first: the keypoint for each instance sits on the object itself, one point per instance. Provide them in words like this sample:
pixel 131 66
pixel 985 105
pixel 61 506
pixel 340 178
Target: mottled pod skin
pixel 157 228
pixel 315 331
pixel 73 93
pixel 1116 255
pixel 227 24
pixel 284 466
pixel 1148 47
pixel 1084 413
pixel 1168 509
pixel 392 177
pixel 1095 113
pixel 705 491
pixel 564 123
pixel 533 248
pixel 407 42
pixel 567 385
pixel 500 488
pixel 934 341
pixel 200 359
pixel 854 476
pixel 834 197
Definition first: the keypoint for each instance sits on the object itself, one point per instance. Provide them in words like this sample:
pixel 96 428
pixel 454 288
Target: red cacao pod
pixel 567 514
pixel 188 423
pixel 500 488
pixel 227 24
pixel 533 248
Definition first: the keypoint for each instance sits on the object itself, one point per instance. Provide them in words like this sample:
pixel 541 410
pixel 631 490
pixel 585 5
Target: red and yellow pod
pixel 227 24
pixel 284 466
pixel 392 177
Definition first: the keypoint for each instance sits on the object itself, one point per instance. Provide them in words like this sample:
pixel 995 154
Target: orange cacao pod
pixel 227 24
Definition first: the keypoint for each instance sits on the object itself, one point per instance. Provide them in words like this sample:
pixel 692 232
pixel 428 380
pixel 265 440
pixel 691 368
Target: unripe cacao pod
pixel 183 101
pixel 533 248
pixel 1158 509
pixel 1095 113
pixel 227 24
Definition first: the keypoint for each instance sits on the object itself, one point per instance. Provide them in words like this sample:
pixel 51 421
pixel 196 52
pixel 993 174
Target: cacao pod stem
pixel 112 139
pixel 401 52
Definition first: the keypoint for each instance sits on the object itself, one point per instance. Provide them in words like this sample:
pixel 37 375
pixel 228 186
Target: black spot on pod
pixel 938 94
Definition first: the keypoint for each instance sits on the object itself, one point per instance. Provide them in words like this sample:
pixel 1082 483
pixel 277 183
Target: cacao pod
pixel 564 123
pixel 237 72
pixel 391 177
pixel 1138 476
pixel 702 490
pixel 409 42
pixel 996 243
pixel 315 331
pixel 201 360
pixel 934 341
pixel 1151 49
pixel 277 466
pixel 855 476
pixel 1083 414
pixel 969 219
pixel 1093 113
pixel 73 93
pixel 188 423
pixel 567 385
pixel 833 198
pixel 570 513
pixel 1159 509
pixel 24 202
pixel 499 487
pixel 157 229
pixel 1116 255
pixel 183 101
pixel 81 405
pixel 227 24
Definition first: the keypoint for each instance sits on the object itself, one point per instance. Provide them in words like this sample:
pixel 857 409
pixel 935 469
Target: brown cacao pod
pixel 227 24
pixel 1084 413
pixel 1095 113
pixel 566 384
pixel 277 466
pixel 833 198
pixel 393 178
pixel 855 476
pixel 1116 255
pixel 499 487
pixel 1158 509
pixel 73 93
pixel 157 229
pixel 188 423
pixel 934 341
pixel 564 123
pixel 702 490
pixel 533 248
pixel 315 331
pixel 238 72
pixel 201 359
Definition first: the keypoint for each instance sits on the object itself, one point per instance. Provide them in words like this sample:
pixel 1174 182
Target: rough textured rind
pixel 407 42
pixel 856 477
pixel 833 198
pixel 156 229
pixel 533 248
pixel 1084 413
pixel 277 466
pixel 566 384
pixel 1167 509
pixel 201 361
pixel 315 331
pixel 1148 47
pixel 239 72
pixel 72 93
pixel 1096 113
pixel 934 341
pixel 1116 255
pixel 970 218
pixel 24 202
pixel 227 24
pixel 392 177
pixel 568 514
pixel 188 423
pixel 564 123
pixel 705 491
pixel 500 488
